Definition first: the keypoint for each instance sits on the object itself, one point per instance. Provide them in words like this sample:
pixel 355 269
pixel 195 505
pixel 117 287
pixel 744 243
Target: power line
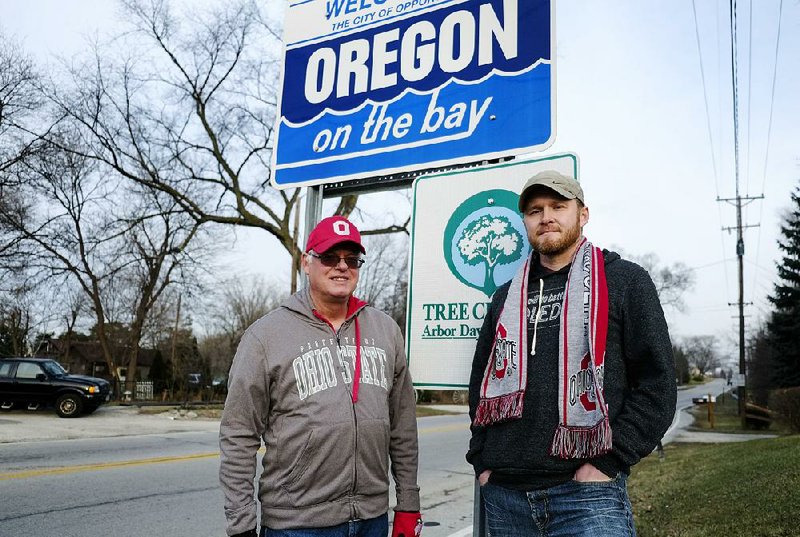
pixel 772 94
pixel 739 239
pixel 749 94
pixel 769 130
pixel 708 123
pixel 735 78
pixel 705 98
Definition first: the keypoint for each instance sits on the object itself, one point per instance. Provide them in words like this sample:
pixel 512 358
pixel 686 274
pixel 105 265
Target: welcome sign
pixel 467 239
pixel 376 87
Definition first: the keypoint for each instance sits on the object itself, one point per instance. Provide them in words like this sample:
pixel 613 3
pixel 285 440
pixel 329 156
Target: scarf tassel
pixel 498 409
pixel 582 442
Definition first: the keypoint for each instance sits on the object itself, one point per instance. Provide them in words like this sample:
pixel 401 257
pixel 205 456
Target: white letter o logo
pixel 341 228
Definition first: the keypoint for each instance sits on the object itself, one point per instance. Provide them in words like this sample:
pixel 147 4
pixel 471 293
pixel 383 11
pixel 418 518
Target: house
pixel 86 358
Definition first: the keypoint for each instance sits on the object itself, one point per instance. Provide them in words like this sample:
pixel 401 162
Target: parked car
pixel 35 382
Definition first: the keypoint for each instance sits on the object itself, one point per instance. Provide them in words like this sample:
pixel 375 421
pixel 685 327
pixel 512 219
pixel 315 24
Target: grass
pixel 697 382
pixel 739 489
pixel 727 420
pixel 423 411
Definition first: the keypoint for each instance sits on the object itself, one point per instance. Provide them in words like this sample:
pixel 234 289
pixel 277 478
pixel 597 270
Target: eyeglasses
pixel 332 260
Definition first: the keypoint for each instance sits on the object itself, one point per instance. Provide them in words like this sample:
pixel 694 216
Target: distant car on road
pixel 35 382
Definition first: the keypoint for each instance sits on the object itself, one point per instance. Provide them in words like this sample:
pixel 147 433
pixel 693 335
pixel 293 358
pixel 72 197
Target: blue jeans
pixel 373 527
pixel 572 509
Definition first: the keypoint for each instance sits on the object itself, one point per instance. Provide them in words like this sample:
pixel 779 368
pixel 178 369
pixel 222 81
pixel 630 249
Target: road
pixel 683 419
pixel 166 484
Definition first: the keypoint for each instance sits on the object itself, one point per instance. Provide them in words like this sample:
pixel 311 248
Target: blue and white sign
pixel 376 87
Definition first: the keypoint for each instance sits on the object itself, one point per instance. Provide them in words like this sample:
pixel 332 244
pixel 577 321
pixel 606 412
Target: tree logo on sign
pixel 485 241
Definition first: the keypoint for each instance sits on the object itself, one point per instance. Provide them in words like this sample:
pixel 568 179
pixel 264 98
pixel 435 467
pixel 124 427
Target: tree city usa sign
pixel 467 240
pixel 375 87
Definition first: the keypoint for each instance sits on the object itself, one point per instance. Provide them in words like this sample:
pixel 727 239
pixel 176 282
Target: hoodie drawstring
pixel 538 315
pixel 357 365
pixel 357 374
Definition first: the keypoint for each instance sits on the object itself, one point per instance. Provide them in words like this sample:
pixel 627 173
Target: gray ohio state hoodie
pixel 326 458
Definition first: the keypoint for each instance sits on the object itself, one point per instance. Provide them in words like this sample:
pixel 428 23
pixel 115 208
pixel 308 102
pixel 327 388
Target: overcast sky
pixel 655 143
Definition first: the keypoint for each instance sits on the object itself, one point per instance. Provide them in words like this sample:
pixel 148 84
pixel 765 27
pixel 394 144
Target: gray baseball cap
pixel 562 185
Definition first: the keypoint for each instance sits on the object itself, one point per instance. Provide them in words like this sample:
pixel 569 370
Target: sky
pixel 644 98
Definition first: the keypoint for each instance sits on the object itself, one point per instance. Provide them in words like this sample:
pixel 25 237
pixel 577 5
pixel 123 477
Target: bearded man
pixel 573 378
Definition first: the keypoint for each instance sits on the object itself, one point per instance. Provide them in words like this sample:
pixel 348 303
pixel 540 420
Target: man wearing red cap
pixel 322 380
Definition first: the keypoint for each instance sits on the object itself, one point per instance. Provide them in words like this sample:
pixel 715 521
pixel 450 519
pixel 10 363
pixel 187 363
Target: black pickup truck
pixel 35 382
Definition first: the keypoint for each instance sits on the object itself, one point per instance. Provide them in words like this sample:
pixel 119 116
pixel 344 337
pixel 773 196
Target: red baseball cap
pixel 332 231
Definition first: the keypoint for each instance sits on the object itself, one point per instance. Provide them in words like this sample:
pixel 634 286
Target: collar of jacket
pixel 354 306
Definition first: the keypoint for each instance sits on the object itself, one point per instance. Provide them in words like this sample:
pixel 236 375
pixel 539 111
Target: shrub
pixel 786 402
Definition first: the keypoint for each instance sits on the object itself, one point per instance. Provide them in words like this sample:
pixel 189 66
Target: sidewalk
pixel 110 420
pixel 705 437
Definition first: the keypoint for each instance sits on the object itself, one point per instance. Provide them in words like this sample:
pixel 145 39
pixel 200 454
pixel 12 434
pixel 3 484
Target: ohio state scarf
pixel 583 430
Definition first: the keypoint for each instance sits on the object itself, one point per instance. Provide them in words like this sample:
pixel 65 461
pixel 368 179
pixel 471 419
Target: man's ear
pixel 584 215
pixel 305 260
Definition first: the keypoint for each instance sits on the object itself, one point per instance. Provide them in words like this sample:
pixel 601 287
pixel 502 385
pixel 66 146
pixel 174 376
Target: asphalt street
pixel 156 474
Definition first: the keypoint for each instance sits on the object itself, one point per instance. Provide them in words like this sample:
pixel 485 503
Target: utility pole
pixel 739 227
pixel 173 353
pixel 741 304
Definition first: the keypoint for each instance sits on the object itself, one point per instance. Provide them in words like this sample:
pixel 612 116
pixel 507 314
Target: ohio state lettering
pixel 582 384
pixel 314 370
pixel 505 353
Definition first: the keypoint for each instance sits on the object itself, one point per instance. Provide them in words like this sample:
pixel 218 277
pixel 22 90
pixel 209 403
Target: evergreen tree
pixel 6 344
pixel 160 372
pixel 759 367
pixel 784 323
pixel 681 364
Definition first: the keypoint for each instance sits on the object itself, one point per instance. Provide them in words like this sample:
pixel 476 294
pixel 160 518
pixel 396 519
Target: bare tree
pixel 383 281
pixel 123 248
pixel 18 100
pixel 71 233
pixel 25 313
pixel 74 303
pixel 191 114
pixel 157 243
pixel 238 304
pixel 15 325
pixel 671 281
pixel 701 352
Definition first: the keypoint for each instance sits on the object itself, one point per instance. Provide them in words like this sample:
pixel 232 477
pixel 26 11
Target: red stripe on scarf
pixel 600 322
pixel 523 319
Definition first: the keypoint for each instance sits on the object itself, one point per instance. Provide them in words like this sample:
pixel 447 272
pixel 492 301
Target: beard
pixel 554 245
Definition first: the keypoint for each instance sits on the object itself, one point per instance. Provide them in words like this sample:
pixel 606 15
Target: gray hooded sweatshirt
pixel 326 458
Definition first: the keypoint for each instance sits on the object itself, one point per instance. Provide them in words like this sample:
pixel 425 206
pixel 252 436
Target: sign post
pixel 372 88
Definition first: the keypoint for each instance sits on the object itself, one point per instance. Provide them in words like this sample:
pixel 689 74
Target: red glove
pixel 406 524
